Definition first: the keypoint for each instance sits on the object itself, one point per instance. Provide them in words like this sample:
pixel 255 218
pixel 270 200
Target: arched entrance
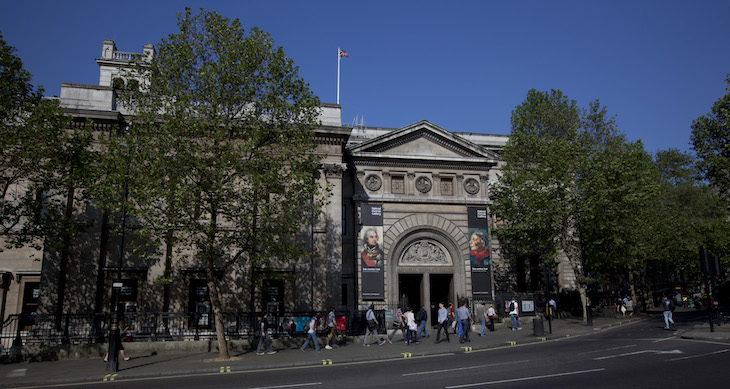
pixel 427 265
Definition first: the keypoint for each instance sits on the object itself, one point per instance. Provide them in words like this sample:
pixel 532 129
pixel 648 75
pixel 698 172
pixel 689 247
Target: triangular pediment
pixel 422 140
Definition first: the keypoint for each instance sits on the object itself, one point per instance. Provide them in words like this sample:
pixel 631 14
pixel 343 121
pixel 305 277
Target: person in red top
pixel 452 315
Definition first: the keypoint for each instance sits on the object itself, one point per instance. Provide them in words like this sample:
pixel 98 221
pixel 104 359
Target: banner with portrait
pixel 370 252
pixel 479 253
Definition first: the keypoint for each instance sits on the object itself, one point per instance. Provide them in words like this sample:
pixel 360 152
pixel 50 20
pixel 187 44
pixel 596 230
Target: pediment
pixel 422 140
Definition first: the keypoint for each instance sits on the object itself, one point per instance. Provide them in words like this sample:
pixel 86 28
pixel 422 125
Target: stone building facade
pixel 408 220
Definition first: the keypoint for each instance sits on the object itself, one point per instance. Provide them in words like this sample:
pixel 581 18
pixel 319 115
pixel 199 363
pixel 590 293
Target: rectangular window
pixel 397 185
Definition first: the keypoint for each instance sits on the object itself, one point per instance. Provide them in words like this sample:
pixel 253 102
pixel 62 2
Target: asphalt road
pixel 638 355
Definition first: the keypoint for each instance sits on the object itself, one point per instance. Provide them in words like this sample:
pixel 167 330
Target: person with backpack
pixel 311 334
pixel 421 318
pixel 514 314
pixel 372 327
pixel 668 306
pixel 398 323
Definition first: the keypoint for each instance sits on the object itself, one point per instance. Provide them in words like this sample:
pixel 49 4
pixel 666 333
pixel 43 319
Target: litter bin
pixel 537 327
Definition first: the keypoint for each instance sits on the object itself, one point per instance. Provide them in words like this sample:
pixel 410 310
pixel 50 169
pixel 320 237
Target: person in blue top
pixel 443 319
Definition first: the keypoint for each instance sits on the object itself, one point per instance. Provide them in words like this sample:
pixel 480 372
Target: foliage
pixel 222 149
pixel 43 161
pixel 711 141
pixel 687 215
pixel 573 186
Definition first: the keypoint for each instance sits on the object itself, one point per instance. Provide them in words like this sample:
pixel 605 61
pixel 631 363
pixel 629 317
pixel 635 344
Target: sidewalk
pixel 157 365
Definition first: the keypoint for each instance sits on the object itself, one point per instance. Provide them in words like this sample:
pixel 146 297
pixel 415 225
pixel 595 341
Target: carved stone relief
pixel 373 182
pixel 423 184
pixel 425 253
pixel 471 186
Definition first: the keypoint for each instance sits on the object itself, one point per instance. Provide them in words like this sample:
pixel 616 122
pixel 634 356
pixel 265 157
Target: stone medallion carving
pixel 425 253
pixel 423 184
pixel 373 182
pixel 471 186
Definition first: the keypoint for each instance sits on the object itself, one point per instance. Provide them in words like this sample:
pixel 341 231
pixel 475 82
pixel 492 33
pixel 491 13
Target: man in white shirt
pixel 514 314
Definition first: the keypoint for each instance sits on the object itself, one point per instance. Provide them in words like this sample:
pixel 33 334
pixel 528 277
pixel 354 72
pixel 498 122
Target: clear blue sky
pixel 464 66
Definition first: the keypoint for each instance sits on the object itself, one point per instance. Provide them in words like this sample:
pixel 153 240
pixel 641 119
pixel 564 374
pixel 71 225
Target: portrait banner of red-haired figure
pixel 479 253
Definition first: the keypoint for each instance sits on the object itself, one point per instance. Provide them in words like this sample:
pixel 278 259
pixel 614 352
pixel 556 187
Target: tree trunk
pixel 215 302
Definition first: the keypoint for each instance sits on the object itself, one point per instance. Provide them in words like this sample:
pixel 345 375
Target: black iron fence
pixel 48 330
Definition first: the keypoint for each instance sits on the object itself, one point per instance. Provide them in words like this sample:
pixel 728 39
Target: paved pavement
pixel 73 372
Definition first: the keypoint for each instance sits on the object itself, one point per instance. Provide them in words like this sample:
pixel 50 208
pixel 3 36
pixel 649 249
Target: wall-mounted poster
pixel 371 253
pixel 479 254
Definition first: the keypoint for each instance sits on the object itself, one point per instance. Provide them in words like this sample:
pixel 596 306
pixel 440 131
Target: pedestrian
pixel 311 334
pixel 452 317
pixel 118 341
pixel 264 337
pixel 372 327
pixel 482 316
pixel 411 335
pixel 668 306
pixel 330 329
pixel 553 306
pixel 464 316
pixel 514 314
pixel 492 315
pixel 421 319
pixel 443 319
pixel 630 307
pixel 398 324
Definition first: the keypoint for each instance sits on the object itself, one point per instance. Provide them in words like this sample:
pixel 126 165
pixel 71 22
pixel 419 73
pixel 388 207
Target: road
pixel 638 355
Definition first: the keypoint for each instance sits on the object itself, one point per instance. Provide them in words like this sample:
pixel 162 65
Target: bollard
pixel 537 327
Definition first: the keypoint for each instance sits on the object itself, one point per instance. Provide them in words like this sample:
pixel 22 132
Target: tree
pixel 537 195
pixel 711 141
pixel 45 162
pixel 222 149
pixel 572 186
pixel 689 214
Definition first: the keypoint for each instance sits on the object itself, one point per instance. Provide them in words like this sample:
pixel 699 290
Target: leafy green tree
pixel 573 186
pixel 711 141
pixel 689 214
pixel 222 149
pixel 537 195
pixel 45 160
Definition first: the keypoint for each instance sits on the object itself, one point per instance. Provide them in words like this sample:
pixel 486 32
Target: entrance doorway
pixel 441 287
pixel 409 285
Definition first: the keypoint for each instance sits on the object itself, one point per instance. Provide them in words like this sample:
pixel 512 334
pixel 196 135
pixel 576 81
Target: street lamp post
pixel 114 330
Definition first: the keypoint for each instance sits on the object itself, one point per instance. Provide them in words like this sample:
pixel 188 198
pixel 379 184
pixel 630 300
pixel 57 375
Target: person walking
pixel 311 335
pixel 421 319
pixel 264 337
pixel 452 317
pixel 630 307
pixel 443 319
pixel 668 306
pixel 492 315
pixel 464 315
pixel 372 327
pixel 398 324
pixel 514 314
pixel 330 329
pixel 482 316
pixel 411 335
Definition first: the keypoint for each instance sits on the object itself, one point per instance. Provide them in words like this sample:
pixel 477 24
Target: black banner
pixel 479 253
pixel 371 256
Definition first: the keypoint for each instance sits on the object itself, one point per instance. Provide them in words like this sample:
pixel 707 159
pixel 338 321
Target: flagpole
pixel 339 57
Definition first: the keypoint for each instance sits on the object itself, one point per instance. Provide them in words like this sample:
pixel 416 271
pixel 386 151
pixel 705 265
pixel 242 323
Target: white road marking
pixel 462 368
pixel 289 386
pixel 699 355
pixel 639 352
pixel 537 377
pixel 608 349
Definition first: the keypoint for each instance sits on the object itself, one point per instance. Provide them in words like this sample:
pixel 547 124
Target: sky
pixel 462 65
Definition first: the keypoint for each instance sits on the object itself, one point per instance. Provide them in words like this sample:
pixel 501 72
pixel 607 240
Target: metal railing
pixel 48 330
